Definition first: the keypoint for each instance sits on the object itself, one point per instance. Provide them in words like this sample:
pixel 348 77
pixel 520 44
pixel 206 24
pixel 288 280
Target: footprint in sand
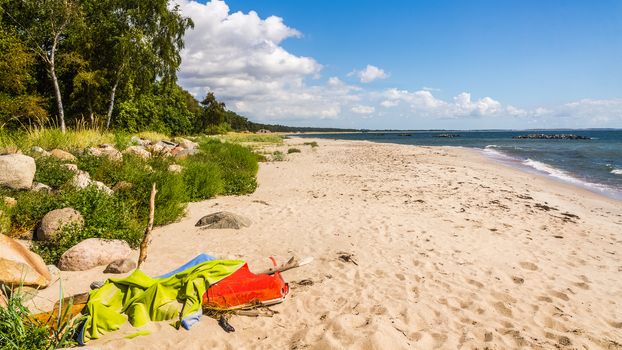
pixel 528 265
pixel 502 309
pixel 518 280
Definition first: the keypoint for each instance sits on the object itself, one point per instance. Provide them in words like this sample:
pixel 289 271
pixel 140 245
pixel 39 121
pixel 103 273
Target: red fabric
pixel 244 287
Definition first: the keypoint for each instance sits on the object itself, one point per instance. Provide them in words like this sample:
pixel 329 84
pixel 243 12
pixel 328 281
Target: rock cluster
pixel 552 137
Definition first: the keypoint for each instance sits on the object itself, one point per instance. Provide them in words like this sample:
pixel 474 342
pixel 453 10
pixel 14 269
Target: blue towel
pixel 197 260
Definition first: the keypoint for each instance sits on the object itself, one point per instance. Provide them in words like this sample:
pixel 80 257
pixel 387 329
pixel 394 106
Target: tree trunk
pixel 59 99
pixel 112 93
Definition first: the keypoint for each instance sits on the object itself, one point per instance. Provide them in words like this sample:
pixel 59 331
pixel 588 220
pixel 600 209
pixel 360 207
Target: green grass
pixel 50 138
pixel 19 331
pixel 252 138
pixel 221 168
pixel 278 156
pixel 293 150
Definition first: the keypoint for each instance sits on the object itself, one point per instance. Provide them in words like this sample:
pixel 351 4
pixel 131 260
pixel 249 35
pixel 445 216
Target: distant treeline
pixel 103 63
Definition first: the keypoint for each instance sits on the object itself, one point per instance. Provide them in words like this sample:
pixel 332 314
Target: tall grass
pixel 53 138
pixel 252 138
pixel 19 330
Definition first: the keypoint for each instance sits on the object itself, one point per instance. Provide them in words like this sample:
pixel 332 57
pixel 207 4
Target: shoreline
pixel 451 249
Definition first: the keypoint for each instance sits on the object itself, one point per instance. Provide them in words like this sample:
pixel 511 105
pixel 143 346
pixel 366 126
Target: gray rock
pixel 120 266
pixel 54 221
pixel 93 252
pixel 17 171
pixel 39 151
pixel 96 284
pixel 20 266
pixel 62 155
pixel 81 180
pixel 185 153
pixel 37 186
pixel 223 219
pixel 139 151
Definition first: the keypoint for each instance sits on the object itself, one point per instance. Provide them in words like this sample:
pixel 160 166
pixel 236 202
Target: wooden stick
pixel 292 263
pixel 147 238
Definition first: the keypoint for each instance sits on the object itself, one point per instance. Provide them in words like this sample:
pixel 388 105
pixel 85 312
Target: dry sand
pixel 449 250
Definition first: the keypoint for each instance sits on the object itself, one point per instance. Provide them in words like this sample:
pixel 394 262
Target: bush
pixel 202 180
pixel 278 156
pixel 313 144
pixel 293 150
pixel 51 172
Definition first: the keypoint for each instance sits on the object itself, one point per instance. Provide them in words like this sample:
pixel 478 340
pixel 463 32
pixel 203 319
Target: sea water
pixel 594 164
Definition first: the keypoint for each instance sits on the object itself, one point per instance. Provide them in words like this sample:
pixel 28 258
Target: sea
pixel 594 164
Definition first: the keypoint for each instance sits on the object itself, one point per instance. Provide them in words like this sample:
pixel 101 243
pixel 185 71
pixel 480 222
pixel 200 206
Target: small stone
pixel 96 284
pixel 71 167
pixel 39 151
pixel 102 187
pixel 122 185
pixel 10 201
pixel 223 220
pixel 81 180
pixel 62 155
pixel 93 252
pixel 37 186
pixel 53 222
pixel 120 266
pixel 175 168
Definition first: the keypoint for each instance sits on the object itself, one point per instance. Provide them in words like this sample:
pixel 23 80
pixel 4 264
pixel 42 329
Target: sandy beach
pixel 447 248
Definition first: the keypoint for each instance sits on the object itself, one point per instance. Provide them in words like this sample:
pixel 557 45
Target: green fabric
pixel 140 298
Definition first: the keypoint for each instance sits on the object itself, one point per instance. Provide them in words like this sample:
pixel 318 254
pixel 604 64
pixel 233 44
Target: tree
pixel 213 113
pixel 43 25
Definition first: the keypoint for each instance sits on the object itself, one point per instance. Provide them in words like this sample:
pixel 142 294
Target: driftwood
pixel 292 263
pixel 264 312
pixel 147 238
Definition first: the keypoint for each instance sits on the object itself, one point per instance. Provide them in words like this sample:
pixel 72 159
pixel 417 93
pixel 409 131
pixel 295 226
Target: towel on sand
pixel 139 298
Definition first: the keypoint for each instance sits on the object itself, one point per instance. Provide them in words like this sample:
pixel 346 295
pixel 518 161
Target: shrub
pixel 202 180
pixel 293 150
pixel 51 172
pixel 30 209
pixel 313 144
pixel 278 156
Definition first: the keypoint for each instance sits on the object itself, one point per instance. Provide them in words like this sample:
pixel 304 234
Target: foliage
pixel 202 180
pixel 254 138
pixel 51 172
pixel 50 138
pixel 293 150
pixel 19 331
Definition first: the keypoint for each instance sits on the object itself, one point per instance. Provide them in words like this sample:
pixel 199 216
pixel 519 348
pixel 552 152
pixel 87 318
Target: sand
pixel 447 248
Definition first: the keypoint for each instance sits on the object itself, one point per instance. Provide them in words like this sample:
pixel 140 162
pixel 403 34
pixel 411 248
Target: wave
pixel 616 171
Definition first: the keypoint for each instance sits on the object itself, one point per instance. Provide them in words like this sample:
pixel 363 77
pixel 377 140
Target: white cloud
pixel 361 109
pixel 239 56
pixel 369 74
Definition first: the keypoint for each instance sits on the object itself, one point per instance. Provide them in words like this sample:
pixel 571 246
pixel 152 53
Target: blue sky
pixel 449 64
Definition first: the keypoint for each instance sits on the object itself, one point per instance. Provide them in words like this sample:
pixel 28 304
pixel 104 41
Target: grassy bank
pixel 220 168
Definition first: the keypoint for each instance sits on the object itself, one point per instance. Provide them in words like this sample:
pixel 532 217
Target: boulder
pixel 17 171
pixel 53 222
pixel 187 144
pixel 120 266
pixel 176 150
pixel 139 151
pixel 106 150
pixel 37 186
pixel 39 151
pixel 18 265
pixel 62 155
pixel 93 252
pixel 223 219
pixel 175 168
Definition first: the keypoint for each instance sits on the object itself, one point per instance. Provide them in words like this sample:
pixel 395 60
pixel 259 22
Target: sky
pixel 409 64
